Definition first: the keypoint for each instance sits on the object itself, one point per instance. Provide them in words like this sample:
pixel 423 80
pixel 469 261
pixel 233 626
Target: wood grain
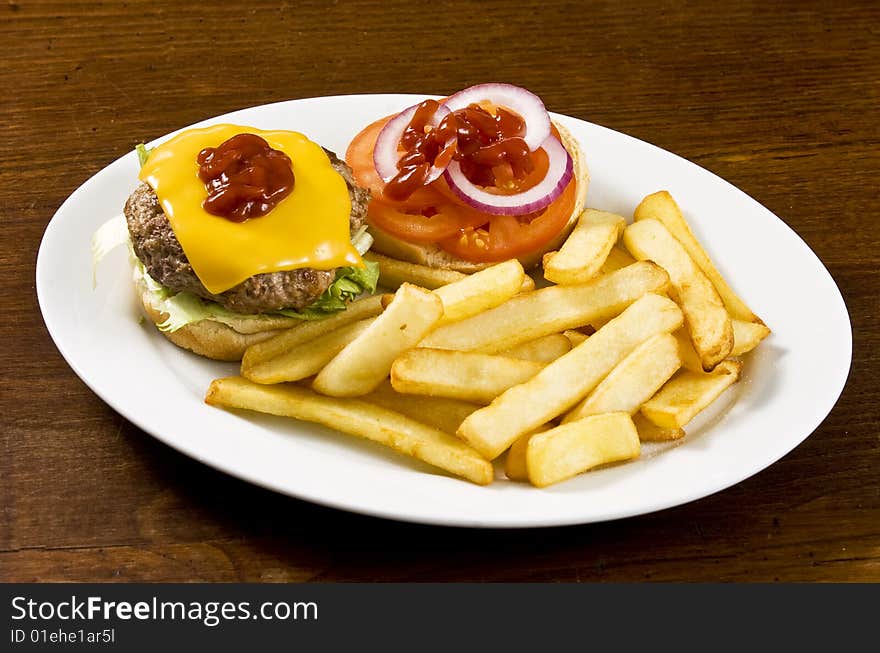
pixel 778 98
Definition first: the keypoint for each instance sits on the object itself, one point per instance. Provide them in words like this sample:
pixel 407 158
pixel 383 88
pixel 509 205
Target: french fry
pixel 357 310
pixel 635 379
pixel 515 461
pixel 662 207
pixel 528 284
pixel 480 291
pixel 707 319
pixel 307 358
pixel 650 432
pixel 439 412
pixel 690 359
pixel 366 361
pixel 459 374
pixel 569 378
pixel 687 393
pixel 543 349
pixel 747 336
pixel 549 310
pixel 617 258
pixel 585 250
pixel 575 337
pixel 355 417
pixel 572 448
pixel 394 273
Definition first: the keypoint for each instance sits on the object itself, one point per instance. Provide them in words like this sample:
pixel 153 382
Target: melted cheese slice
pixel 308 228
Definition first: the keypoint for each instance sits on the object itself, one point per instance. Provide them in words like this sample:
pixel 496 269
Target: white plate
pixel 790 383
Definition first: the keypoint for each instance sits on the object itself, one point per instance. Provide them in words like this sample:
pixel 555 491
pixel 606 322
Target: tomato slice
pixel 360 157
pixel 508 236
pixel 429 215
pixel 507 184
pixel 439 221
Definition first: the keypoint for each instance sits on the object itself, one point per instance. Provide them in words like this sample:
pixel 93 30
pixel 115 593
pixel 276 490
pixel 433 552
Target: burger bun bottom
pixel 213 339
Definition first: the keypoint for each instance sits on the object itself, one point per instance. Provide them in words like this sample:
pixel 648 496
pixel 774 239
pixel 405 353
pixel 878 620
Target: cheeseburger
pixel 237 233
pixel 479 177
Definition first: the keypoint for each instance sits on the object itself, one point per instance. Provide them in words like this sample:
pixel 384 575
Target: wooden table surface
pixel 778 98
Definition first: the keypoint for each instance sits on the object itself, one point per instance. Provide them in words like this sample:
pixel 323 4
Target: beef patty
pixel 158 249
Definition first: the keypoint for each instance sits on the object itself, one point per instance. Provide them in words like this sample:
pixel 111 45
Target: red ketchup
pixel 245 178
pixel 490 148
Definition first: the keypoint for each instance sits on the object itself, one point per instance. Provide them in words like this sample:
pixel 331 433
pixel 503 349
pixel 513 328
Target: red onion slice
pixel 559 173
pixel 386 153
pixel 528 105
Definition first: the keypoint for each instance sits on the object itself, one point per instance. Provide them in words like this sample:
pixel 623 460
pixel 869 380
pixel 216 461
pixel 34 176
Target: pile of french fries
pixel 636 333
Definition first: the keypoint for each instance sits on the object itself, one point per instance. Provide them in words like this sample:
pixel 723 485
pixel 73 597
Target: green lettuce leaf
pixel 143 153
pixel 184 308
pixel 350 282
pixel 107 237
